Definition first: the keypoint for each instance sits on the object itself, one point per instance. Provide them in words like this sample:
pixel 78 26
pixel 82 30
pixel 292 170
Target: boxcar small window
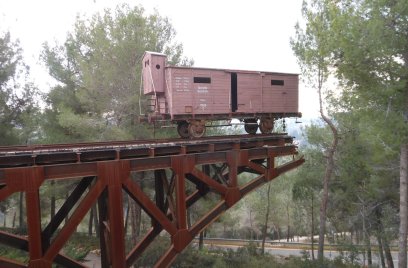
pixel 277 82
pixel 205 80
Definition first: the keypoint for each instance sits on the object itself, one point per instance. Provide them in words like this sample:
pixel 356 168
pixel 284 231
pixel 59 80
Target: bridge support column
pixel 113 173
pixel 211 165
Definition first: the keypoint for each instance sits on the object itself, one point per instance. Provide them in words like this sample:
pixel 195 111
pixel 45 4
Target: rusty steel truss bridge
pixel 104 172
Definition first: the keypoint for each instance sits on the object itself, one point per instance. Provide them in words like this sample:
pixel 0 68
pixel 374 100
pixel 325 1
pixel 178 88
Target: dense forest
pixel 352 189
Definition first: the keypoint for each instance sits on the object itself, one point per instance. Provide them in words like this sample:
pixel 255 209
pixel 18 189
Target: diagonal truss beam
pixel 212 166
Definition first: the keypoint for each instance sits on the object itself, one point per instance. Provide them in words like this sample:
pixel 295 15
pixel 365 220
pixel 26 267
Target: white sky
pixel 250 35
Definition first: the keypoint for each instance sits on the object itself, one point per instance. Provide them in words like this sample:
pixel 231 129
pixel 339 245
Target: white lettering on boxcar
pixel 182 83
pixel 203 106
pixel 202 90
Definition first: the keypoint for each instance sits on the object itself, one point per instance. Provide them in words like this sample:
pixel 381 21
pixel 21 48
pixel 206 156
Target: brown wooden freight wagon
pixel 191 97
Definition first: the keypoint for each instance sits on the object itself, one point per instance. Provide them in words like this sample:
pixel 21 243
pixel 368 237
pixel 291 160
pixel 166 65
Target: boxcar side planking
pixel 191 97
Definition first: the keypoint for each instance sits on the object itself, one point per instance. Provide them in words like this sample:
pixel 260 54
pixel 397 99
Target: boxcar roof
pixel 154 53
pixel 228 70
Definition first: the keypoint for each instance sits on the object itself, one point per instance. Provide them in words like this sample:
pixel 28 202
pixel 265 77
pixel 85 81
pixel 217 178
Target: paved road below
pixel 93 260
pixel 298 252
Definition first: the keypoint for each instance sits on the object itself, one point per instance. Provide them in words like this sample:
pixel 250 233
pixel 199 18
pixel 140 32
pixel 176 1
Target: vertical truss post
pixel 168 211
pixel 114 173
pixel 233 194
pixel 32 179
pixel 180 164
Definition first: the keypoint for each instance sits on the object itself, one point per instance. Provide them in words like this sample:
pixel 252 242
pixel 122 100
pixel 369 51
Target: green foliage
pixel 13 254
pixel 76 252
pixel 247 256
pixel 307 263
pixel 98 72
pixel 153 252
pixel 362 46
pixel 18 97
pixel 196 258
pixel 79 246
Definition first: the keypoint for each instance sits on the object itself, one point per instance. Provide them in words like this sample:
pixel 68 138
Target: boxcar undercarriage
pixel 196 126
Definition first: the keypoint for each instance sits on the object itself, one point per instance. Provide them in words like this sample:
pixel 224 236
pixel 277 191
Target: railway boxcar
pixel 192 97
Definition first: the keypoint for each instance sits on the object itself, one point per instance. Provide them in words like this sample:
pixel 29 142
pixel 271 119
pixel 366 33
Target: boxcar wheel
pixel 251 126
pixel 182 129
pixel 196 129
pixel 266 125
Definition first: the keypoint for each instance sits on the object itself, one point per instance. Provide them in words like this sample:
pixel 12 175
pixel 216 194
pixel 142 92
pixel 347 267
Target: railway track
pixel 103 172
pixel 51 154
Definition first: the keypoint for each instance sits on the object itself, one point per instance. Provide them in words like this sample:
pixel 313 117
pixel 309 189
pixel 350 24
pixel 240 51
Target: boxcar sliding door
pixel 234 92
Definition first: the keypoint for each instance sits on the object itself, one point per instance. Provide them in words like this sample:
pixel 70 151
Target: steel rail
pixel 19 156
pixel 39 148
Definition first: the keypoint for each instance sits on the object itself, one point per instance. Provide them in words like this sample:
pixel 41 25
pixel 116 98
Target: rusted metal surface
pixel 105 177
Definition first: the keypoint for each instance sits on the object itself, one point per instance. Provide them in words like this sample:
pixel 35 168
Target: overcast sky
pixel 250 35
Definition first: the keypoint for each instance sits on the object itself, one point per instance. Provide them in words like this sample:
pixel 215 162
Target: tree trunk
pixel 135 214
pixel 329 170
pixel 265 226
pixel 53 200
pixel 366 239
pixel 388 256
pixel 369 255
pixel 380 250
pixel 134 222
pixel 127 215
pixel 90 222
pixel 67 215
pixel 201 241
pixel 21 224
pixel 382 238
pixel 402 254
pixel 250 224
pixel 189 224
pixel 93 221
pixel 13 225
pixel 325 199
pixel 312 231
pixel 96 222
pixel 288 220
